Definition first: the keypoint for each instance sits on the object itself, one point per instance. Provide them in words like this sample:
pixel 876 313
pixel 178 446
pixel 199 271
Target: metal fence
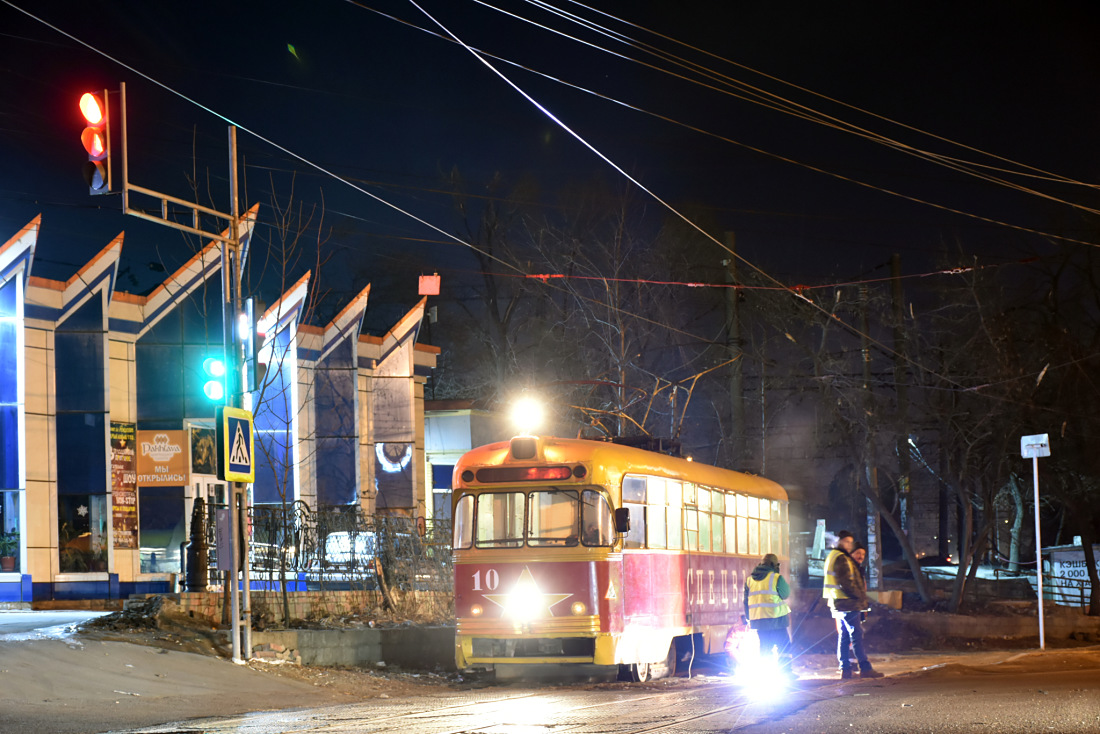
pixel 341 548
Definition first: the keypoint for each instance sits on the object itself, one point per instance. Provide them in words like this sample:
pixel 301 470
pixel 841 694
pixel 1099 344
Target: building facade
pixel 108 439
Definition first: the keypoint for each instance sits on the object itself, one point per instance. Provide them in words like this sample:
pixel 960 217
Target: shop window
pixel 82 532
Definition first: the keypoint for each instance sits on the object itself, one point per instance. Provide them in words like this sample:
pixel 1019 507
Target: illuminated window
pixel 500 520
pixel 464 522
pixel 552 518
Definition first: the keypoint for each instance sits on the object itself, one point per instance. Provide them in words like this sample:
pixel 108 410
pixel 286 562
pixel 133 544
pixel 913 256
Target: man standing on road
pixel 766 607
pixel 847 594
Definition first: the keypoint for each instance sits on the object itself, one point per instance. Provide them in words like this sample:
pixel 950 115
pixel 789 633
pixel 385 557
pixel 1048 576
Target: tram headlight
pixel 527 415
pixel 476 610
pixel 524 603
pixel 578 608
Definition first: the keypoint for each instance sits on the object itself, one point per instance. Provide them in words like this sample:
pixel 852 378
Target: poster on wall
pixel 162 459
pixel 204 451
pixel 124 485
pixel 393 398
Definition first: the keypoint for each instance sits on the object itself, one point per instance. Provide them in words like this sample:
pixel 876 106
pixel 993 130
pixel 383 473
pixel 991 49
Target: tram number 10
pixel 492 580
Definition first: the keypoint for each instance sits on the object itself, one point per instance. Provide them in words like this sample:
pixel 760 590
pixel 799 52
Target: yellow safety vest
pixel 764 601
pixel 830 590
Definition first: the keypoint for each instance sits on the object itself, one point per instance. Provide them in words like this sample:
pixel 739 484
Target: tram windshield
pixel 541 517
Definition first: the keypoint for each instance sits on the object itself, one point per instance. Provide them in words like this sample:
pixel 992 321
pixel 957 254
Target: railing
pixel 342 548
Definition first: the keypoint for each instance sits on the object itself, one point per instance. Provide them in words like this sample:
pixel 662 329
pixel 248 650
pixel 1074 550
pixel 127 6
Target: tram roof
pixel 627 460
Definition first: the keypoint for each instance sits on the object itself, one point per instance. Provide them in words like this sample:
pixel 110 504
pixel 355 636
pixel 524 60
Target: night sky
pixel 391 107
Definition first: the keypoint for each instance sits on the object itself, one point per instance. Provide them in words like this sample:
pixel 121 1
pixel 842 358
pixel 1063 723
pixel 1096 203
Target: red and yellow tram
pixel 576 551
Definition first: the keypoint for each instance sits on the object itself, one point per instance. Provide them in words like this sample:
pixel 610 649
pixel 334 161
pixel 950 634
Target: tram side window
pixel 595 519
pixel 500 520
pixel 778 516
pixel 655 512
pixel 464 522
pixel 553 518
pixel 634 489
pixel 674 515
pixel 716 504
pixel 742 524
pixel 691 528
pixel 636 537
pixel 702 497
pixel 754 525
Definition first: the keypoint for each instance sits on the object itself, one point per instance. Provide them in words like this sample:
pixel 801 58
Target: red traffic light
pixel 97 142
pixel 91 106
pixel 93 143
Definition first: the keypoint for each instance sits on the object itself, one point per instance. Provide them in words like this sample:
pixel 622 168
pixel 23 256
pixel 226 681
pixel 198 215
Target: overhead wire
pixel 1045 175
pixel 758 96
pixel 458 240
pixel 321 168
pixel 673 210
pixel 246 129
pixel 777 156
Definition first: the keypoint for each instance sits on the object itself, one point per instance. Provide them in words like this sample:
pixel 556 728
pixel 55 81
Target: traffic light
pixel 214 386
pixel 97 141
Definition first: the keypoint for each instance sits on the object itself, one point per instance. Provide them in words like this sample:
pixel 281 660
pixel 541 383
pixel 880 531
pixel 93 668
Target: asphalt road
pixel 25 625
pixel 1057 691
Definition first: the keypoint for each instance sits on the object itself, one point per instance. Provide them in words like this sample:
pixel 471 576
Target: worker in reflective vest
pixel 766 608
pixel 846 592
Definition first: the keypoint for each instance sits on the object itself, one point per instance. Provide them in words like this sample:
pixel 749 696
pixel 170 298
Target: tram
pixel 572 551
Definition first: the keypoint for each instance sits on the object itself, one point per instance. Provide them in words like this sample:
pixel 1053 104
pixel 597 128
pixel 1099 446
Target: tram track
pixel 434 720
pixel 368 716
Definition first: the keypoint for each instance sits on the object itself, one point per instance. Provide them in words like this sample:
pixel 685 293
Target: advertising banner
pixel 124 485
pixel 162 459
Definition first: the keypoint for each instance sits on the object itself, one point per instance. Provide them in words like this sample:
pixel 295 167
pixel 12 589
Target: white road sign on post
pixel 1032 447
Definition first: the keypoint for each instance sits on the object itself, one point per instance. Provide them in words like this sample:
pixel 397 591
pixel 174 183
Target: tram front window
pixel 595 519
pixel 500 520
pixel 553 518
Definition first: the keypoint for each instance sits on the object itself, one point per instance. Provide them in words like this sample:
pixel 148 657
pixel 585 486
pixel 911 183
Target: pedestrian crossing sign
pixel 236 445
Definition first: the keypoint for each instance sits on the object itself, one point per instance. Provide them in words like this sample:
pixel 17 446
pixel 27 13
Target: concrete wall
pixel 416 648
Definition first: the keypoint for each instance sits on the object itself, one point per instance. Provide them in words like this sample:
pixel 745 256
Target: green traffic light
pixel 214 388
pixel 214 366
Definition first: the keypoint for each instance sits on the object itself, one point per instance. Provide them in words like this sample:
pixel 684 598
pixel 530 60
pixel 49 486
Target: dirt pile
pixel 157 621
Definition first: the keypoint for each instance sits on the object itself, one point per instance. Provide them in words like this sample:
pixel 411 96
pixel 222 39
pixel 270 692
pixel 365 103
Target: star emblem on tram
pixel 526 601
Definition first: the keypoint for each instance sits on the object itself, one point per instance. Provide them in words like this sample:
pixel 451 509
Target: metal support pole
pixel 1038 552
pixel 239 381
pixel 125 169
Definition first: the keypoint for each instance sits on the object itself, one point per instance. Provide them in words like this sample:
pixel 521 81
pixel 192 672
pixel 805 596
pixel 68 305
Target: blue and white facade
pixel 95 381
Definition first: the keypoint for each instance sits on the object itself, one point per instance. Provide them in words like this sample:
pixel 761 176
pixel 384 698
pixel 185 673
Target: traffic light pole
pixel 231 257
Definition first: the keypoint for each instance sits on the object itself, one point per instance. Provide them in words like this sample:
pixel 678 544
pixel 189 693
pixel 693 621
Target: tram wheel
pixel 639 672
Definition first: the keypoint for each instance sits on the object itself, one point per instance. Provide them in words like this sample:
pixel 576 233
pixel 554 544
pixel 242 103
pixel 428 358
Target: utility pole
pixel 874 524
pixel 232 257
pixel 901 385
pixel 735 354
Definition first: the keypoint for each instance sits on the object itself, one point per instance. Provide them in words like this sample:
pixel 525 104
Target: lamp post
pixel 1032 447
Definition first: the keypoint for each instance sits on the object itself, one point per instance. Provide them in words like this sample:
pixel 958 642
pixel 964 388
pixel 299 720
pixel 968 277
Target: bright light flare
pixel 762 678
pixel 524 603
pixel 527 715
pixel 214 366
pixel 91 108
pixel 527 415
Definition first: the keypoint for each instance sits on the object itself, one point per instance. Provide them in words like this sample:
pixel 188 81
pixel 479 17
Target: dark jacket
pixel 850 579
pixel 782 588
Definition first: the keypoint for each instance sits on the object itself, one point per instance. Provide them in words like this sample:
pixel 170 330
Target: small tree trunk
pixel 1090 566
pixel 906 546
pixel 1017 524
